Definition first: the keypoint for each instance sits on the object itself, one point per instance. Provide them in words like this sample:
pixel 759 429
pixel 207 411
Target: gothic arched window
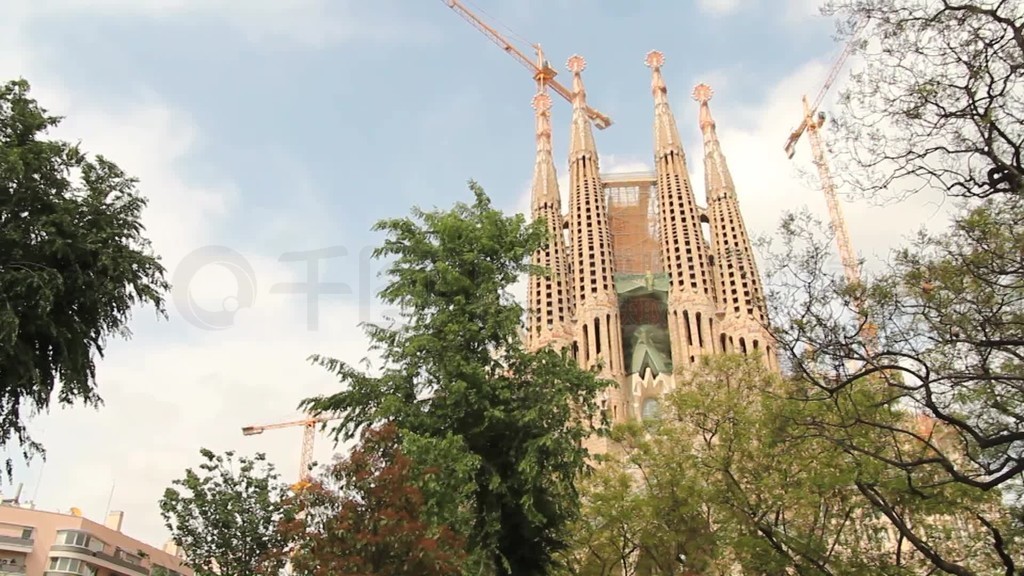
pixel 649 409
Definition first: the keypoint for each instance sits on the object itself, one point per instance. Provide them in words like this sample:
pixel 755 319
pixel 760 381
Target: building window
pixel 649 410
pixel 128 556
pixel 70 566
pixel 80 540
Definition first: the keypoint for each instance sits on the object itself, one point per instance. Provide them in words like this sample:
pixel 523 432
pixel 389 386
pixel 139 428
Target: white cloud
pixel 305 22
pixel 163 401
pixel 177 388
pixel 797 11
pixel 768 184
pixel 721 7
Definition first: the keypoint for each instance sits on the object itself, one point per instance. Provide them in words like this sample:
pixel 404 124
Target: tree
pixel 366 517
pixel 607 538
pixel 943 368
pixel 728 477
pixel 639 517
pixel 938 101
pixel 455 376
pixel 226 517
pixel 937 104
pixel 73 264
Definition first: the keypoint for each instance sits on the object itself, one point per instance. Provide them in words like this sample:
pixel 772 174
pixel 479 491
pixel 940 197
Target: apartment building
pixel 40 543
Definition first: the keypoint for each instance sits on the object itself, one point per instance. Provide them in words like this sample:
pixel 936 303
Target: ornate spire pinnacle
pixel 718 179
pixel 582 138
pixel 666 135
pixel 655 60
pixel 703 93
pixel 545 179
pixel 577 64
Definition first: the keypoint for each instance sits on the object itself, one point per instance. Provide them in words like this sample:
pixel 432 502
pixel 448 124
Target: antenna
pixel 39 481
pixel 110 499
pixel 16 500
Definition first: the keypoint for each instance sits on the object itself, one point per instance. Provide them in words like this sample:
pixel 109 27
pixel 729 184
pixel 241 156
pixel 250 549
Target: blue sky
pixel 271 127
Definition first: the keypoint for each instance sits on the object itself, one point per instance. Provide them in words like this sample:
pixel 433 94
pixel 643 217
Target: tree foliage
pixel 945 364
pixel 936 104
pixel 455 379
pixel 938 99
pixel 73 264
pixel 729 477
pixel 366 516
pixel 226 517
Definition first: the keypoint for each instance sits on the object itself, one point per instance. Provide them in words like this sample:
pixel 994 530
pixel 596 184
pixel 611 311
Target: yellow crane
pixel 308 437
pixel 812 123
pixel 542 71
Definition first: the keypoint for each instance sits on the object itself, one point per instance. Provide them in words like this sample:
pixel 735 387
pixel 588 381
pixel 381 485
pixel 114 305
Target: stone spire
pixel 598 332
pixel 740 295
pixel 691 306
pixel 549 300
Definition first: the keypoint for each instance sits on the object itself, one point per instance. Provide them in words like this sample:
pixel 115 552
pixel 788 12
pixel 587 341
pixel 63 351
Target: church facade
pixel 643 281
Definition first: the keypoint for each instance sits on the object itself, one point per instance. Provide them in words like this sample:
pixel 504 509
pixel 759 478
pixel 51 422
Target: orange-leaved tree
pixel 365 516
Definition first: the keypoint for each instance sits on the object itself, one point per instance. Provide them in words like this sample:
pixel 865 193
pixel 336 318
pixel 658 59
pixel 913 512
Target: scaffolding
pixel 632 201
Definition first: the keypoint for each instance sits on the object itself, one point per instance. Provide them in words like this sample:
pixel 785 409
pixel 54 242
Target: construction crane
pixel 542 71
pixel 812 123
pixel 308 436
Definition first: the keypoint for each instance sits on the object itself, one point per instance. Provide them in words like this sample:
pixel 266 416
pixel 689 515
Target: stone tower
pixel 691 299
pixel 598 333
pixel 740 295
pixel 549 297
pixel 641 290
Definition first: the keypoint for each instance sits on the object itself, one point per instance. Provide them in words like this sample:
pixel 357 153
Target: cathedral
pixel 642 280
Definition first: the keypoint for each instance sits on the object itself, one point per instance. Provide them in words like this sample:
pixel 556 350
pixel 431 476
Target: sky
pixel 268 135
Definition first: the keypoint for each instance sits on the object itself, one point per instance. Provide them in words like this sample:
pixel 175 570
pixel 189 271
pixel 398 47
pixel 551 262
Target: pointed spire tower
pixel 598 331
pixel 691 300
pixel 740 295
pixel 549 300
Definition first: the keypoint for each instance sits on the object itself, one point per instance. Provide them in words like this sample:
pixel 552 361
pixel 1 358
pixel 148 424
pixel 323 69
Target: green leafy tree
pixel 637 520
pixel 73 264
pixel 367 517
pixel 226 517
pixel 455 376
pixel 944 369
pixel 935 103
pixel 729 477
pixel 606 538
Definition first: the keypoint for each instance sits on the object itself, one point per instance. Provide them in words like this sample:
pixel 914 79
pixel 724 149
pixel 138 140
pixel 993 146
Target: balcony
pixel 11 570
pixel 101 559
pixel 10 543
pixel 124 566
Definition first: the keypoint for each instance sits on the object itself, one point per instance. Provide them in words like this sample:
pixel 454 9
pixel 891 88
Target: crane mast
pixel 542 71
pixel 851 268
pixel 812 123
